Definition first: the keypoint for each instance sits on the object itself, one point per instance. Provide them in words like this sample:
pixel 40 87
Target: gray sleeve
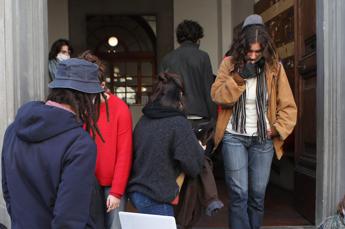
pixel 52 65
pixel 162 67
pixel 208 81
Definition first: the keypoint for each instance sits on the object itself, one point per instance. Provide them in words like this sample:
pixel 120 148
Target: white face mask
pixel 62 57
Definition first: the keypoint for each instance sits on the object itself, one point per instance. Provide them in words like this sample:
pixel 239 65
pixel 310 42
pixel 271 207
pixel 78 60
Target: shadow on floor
pixel 279 210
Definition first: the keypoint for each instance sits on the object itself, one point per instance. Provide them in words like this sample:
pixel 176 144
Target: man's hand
pixel 112 203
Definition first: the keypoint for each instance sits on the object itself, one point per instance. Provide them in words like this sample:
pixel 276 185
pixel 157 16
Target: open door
pixel 292 25
pixel 305 89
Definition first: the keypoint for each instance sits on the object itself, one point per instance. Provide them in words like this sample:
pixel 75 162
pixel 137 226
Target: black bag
pixel 204 132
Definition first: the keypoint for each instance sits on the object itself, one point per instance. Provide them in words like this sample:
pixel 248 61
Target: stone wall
pixel 23 64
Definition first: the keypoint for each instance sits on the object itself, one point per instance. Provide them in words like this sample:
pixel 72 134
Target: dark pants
pixel 112 219
pixel 146 205
pixel 247 166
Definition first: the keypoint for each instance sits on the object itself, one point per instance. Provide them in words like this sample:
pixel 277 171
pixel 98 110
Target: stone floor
pixel 279 211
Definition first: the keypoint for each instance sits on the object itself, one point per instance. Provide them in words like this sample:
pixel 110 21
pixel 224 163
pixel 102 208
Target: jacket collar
pixel 156 111
pixel 189 44
pixel 270 70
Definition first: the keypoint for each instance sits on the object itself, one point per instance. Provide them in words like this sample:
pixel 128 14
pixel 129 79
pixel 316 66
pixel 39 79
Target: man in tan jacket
pixel 257 113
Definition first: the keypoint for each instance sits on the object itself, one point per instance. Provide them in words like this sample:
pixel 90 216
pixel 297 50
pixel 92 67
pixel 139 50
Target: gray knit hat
pixel 253 19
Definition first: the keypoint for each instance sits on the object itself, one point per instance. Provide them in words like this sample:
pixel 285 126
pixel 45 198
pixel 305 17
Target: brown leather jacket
pixel 282 110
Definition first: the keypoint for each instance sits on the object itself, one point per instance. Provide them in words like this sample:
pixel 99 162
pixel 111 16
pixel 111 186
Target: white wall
pixel 213 16
pixel 218 18
pixel 57 20
pixel 241 9
pixel 226 25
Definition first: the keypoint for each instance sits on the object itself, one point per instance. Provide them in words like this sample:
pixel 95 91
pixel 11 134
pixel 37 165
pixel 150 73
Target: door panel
pixel 305 85
pixel 292 25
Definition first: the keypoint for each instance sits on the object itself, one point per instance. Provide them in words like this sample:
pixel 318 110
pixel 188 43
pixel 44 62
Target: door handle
pixel 302 67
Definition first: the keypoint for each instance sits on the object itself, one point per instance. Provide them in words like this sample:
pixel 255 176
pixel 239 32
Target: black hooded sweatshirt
pixel 48 165
pixel 164 146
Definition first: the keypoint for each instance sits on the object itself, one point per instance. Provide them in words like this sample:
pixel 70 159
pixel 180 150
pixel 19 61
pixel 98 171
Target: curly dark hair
pixel 189 30
pixel 249 35
pixel 56 48
pixel 91 57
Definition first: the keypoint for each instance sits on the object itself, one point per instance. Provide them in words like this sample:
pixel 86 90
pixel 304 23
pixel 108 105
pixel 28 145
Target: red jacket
pixel 114 156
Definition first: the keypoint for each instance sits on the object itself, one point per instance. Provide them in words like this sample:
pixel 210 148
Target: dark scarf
pixel 239 112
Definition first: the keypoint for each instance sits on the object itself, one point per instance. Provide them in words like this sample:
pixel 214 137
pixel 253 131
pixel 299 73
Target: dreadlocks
pixel 86 106
pixel 91 57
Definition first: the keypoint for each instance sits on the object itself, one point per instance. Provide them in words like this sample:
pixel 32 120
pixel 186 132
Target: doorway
pixel 294 175
pixel 290 196
pixel 127 44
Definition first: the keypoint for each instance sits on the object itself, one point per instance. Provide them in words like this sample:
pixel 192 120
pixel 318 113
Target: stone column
pixel 23 61
pixel 226 24
pixel 330 185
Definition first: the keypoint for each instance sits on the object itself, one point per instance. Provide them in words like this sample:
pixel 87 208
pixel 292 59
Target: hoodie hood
pixel 155 111
pixel 36 122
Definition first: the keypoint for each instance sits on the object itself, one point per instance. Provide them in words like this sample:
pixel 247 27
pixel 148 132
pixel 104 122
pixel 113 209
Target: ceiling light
pixel 112 41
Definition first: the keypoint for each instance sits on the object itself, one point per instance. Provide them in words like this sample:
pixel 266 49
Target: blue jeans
pixel 247 165
pixel 146 205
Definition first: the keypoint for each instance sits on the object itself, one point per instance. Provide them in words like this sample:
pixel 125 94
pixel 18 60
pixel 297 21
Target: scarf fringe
pixel 239 112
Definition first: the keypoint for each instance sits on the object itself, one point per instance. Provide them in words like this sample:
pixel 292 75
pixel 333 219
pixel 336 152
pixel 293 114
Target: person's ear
pixel 103 84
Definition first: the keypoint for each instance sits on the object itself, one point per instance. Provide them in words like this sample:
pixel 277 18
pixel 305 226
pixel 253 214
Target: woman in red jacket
pixel 114 151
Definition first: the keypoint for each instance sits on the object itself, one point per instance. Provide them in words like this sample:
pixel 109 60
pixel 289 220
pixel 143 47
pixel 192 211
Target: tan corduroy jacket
pixel 282 110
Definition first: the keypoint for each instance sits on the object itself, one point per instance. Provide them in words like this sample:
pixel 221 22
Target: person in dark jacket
pixel 48 159
pixel 194 66
pixel 164 146
pixel 60 50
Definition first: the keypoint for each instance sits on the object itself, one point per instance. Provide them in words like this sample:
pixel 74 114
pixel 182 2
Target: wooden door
pixel 305 89
pixel 292 25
